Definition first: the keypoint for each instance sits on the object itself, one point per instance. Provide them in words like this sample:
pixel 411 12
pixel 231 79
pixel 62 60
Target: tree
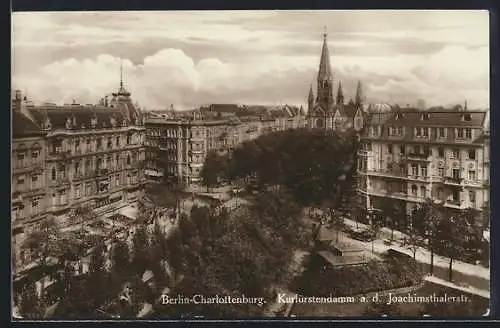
pixel 337 223
pixel 30 305
pixel 97 258
pixel 44 243
pixel 140 242
pixel 393 212
pixel 452 232
pixel 211 170
pixel 376 224
pixel 426 219
pixel 413 240
pixel 120 256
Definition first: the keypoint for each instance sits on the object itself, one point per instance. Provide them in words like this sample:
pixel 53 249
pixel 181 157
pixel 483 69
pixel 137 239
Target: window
pixel 63 171
pixel 455 154
pixel 88 141
pixel 20 181
pixel 77 168
pixel 401 150
pixel 423 171
pixel 117 141
pixel 34 181
pixel 441 133
pixel 425 132
pixel 389 149
pixel 54 174
pixel 441 152
pixel 472 197
pixel 466 117
pixel 418 132
pixel 128 159
pixel 416 149
pixel 455 173
pixel 35 154
pixel 441 172
pixel 99 143
pixel 427 151
pixel 422 191
pixel 472 175
pixel 468 133
pixel 414 190
pixel 414 169
pixel 128 139
pixel 400 130
pixel 425 116
pixel 77 191
pixel 460 133
pixel 472 154
pixel 110 142
pixel 34 205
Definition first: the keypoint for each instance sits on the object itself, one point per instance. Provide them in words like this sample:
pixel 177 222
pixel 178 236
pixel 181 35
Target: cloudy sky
pixel 251 57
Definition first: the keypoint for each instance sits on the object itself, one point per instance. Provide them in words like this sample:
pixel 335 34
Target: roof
pixel 221 108
pixel 325 70
pixel 339 261
pixel 436 118
pixel 79 116
pixel 348 110
pixel 325 234
pixel 22 126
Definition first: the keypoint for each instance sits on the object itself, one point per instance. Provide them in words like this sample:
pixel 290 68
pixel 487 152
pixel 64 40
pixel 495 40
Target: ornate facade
pixel 329 113
pixel 71 156
pixel 410 156
pixel 177 146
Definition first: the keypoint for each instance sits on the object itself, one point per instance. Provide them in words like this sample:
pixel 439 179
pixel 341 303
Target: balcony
pixel 196 151
pixel 364 153
pixel 475 183
pixel 418 157
pixel 452 203
pixel 454 181
pixel 101 172
pixel 388 174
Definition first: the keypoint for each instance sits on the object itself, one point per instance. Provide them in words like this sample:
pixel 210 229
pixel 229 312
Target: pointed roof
pixel 311 94
pixel 122 91
pixel 340 94
pixel 359 94
pixel 325 70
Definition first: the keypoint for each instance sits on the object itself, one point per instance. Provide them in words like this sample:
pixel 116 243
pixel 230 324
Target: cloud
pixel 192 58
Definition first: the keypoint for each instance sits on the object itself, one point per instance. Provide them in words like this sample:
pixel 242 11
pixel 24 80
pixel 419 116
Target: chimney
pixel 106 101
pixel 17 101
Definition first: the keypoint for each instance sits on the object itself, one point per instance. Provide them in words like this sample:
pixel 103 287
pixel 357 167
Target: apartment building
pixel 71 156
pixel 409 156
pixel 177 147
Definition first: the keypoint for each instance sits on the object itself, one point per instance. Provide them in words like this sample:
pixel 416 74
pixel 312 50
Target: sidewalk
pixel 470 290
pixel 423 255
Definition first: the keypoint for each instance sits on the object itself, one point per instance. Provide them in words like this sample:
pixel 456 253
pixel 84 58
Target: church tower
pixel 325 78
pixel 358 100
pixel 310 99
pixel 340 95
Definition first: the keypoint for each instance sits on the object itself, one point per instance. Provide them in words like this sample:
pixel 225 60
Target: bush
pixel 347 281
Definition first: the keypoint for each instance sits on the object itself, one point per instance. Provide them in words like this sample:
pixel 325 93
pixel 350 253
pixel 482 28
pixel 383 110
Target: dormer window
pixel 466 117
pixel 399 116
pixel 93 122
pixel 68 123
pixel 124 123
pixel 425 117
pixel 47 125
pixel 112 121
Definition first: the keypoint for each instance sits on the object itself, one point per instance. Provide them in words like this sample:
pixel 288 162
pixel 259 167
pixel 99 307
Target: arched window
pixel 98 164
pixel 54 174
pixel 128 159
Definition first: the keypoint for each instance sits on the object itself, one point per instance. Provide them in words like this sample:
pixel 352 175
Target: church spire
pixel 121 73
pixel 310 99
pixel 465 104
pixel 340 95
pixel 325 71
pixel 324 94
pixel 359 95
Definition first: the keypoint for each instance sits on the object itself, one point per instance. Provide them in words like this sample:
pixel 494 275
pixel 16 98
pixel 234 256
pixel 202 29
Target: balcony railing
pixel 418 157
pixel 453 180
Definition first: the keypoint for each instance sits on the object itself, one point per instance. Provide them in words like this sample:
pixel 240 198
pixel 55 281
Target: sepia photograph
pixel 183 165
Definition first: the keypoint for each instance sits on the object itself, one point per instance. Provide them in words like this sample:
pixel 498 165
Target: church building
pixel 329 113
